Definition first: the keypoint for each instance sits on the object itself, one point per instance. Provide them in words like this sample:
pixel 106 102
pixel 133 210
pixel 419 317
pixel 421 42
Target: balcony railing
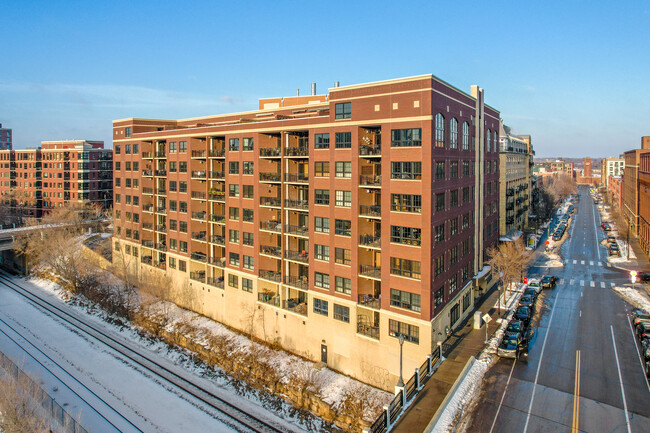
pixel 368 330
pixel 367 150
pixel 147 226
pixel 273 276
pixel 297 204
pixel 161 247
pixel 147 155
pixel 219 262
pixel 161 228
pixel 219 240
pixel 370 271
pixel 199 174
pixel 298 256
pixel 160 264
pixel 271 251
pixel 370 301
pixel 199 257
pixel 199 236
pixel 161 191
pixel 269 298
pixel 370 241
pixel 217 174
pixel 217 153
pixel 146 259
pixel 161 172
pixel 200 195
pixel 270 201
pixel 147 208
pixel 215 282
pixel 219 196
pixel 297 282
pixel 295 306
pixel 147 173
pixel 371 211
pixel 370 180
pixel 160 154
pixel 296 230
pixel 269 152
pixel 272 226
pixel 199 154
pixel 147 190
pixel 296 178
pixel 270 177
pixel 296 151
pixel 161 209
pixel 199 215
pixel 147 244
pixel 198 276
pixel 214 218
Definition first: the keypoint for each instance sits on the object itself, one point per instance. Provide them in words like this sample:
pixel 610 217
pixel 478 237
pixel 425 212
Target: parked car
pixel 611 239
pixel 511 346
pixel 527 301
pixel 603 224
pixel 643 276
pixel 548 282
pixel 607 227
pixel 516 327
pixel 614 251
pixel 532 292
pixel 638 316
pixel 643 330
pixel 524 314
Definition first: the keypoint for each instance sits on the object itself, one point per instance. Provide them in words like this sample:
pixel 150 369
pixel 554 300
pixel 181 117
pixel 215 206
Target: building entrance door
pixel 323 353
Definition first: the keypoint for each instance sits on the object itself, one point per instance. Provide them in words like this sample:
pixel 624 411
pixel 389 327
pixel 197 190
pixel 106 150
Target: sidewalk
pixel 464 343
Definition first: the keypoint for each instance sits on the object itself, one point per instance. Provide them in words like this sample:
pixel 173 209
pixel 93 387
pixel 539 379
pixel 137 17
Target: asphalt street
pixel 583 371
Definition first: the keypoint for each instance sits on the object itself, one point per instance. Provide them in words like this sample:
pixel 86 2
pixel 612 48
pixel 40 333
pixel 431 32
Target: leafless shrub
pixel 21 406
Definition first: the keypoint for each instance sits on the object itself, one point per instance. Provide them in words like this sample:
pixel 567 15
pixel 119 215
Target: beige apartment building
pixel 328 224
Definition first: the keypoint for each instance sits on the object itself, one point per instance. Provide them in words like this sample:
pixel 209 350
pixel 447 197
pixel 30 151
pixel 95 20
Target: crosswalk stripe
pixel 591 263
pixel 571 282
pixel 561 280
pixel 575 262
pixel 582 283
pixel 602 284
pixel 582 262
pixel 600 263
pixel 592 284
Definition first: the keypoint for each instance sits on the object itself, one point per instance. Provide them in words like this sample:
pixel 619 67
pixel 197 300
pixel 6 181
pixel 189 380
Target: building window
pixel 453 226
pixel 249 239
pixel 234 259
pixel 341 313
pixel 405 268
pixel 342 256
pixel 453 198
pixel 343 140
pixel 233 190
pixel 173 225
pixel 466 301
pixel 182 247
pixel 343 227
pixel 322 252
pixel 410 333
pixel 343 285
pixel 172 147
pixel 440 202
pixel 343 111
pixel 453 255
pixel 249 262
pixel 182 226
pixel 343 169
pixel 322 280
pixel 233 213
pixel 233 144
pixel 466 194
pixel 127 132
pixel 233 167
pixel 117 149
pixel 233 281
pixel 440 170
pixel 406 203
pixel 182 166
pixel 406 137
pixel 322 225
pixel 454 314
pixel 182 186
pixel 233 236
pixel 248 191
pixel 439 265
pixel 322 141
pixel 439 297
pixel 320 307
pixel 322 169
pixel 247 285
pixel 453 284
pixel 401 299
pixel 182 146
pixel 406 170
pixel 406 235
pixel 248 167
pixel 453 169
pixel 247 144
pixel 182 265
pixel 248 215
pixel 465 136
pixel 440 233
pixel 440 130
pixel 344 198
pixel 466 172
pixel 453 133
pixel 322 196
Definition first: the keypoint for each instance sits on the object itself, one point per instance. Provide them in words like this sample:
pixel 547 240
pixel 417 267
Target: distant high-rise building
pixel 611 167
pixel 5 138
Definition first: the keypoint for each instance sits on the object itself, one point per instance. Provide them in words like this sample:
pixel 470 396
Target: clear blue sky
pixel 574 74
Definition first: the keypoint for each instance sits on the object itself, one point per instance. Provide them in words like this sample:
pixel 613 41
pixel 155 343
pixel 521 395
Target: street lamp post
pixel 400 338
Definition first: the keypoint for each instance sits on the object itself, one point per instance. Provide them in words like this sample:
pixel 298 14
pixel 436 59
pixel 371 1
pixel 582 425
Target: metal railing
pixel 215 282
pixel 370 241
pixel 276 277
pixel 269 298
pixel 216 174
pixel 214 218
pixel 295 306
pixel 272 226
pixel 217 153
pixel 297 204
pixel 199 215
pixel 199 236
pixel 297 282
pixel 270 201
pixel 219 240
pixel 199 154
pixel 373 211
pixel 296 230
pixel 296 151
pixel 199 195
pixel 198 276
pixel 271 251
pixel 298 256
pixel 296 178
pixel 270 177
pixel 370 180
pixel 199 174
pixel 367 150
pixel 369 301
pixel 269 151
pixel 368 330
pixel 199 257
pixel 370 271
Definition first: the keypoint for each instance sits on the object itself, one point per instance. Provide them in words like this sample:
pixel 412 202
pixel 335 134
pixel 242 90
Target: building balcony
pixel 510 192
pixel 270 201
pixel 161 247
pixel 147 155
pixel 198 276
pixel 160 264
pixel 269 250
pixel 270 152
pixel 199 236
pixel 147 226
pixel 198 195
pixel 297 256
pixel 296 178
pixel 297 204
pixel 370 150
pixel 161 210
pixel 199 257
pixel 270 177
pixel 219 196
pixel 217 174
pixel 295 306
pixel 161 191
pixel 199 154
pixel 296 152
pixel 215 282
pixel 272 276
pixel 161 154
pixel 161 173
pixel 269 298
pixel 199 174
pixel 301 283
pixel 271 226
pixel 147 190
pixel 147 173
pixel 219 219
pixel 147 260
pixel 201 216
pixel 161 228
pixel 369 301
pixel 219 240
pixel 373 211
pixel 217 153
pixel 219 262
pixel 372 272
pixel 296 230
pixel 147 208
pixel 370 180
pixel 370 241
pixel 147 244
pixel 368 330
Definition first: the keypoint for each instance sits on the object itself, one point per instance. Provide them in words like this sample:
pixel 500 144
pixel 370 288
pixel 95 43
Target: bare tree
pixel 509 260
pixel 21 406
pixel 562 186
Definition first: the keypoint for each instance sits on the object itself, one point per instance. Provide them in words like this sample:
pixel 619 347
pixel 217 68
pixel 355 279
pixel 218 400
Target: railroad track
pixel 241 417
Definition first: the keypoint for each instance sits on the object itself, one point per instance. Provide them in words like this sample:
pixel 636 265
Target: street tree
pixel 509 260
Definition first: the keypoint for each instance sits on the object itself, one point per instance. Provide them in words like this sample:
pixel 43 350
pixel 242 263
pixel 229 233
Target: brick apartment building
pixel 561 166
pixel 611 167
pixel 644 202
pixel 327 223
pixel 5 138
pixel 56 173
pixel 631 183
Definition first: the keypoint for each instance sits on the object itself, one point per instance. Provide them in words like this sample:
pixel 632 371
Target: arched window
pixel 440 131
pixel 465 136
pixel 453 133
pixel 495 142
pixel 489 140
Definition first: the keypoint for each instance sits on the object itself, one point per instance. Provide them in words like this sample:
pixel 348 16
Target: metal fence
pixel 64 421
pixel 395 408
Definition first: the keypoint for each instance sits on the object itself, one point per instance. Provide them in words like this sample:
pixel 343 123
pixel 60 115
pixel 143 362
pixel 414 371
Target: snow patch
pixel 634 297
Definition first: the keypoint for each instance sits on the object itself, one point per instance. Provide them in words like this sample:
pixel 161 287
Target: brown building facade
pixel 327 223
pixel 644 202
pixel 631 183
pixel 56 173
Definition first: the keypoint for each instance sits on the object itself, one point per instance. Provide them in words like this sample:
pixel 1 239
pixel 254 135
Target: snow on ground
pixel 635 297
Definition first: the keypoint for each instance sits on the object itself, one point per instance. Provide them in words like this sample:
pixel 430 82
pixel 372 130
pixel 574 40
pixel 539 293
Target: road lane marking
pixel 620 378
pixel 561 280
pixel 596 234
pixel 592 283
pixel 503 396
pixel 580 313
pixel 582 283
pixel 600 263
pixel 539 365
pixel 591 263
pixel 571 282
pixel 576 395
pixel 582 262
pixel 602 284
pixel 638 353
